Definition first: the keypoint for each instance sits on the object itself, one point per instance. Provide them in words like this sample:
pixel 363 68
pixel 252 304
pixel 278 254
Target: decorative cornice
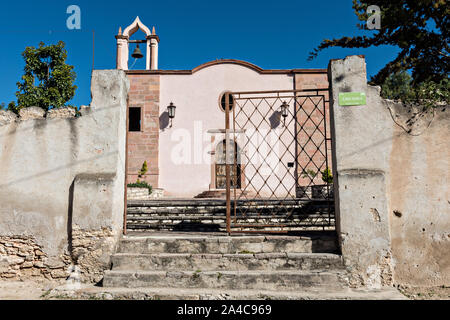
pixel 229 61
pixel 153 36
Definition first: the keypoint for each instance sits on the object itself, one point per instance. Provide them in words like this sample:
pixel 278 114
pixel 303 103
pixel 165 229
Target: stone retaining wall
pixel 62 184
pixel 143 193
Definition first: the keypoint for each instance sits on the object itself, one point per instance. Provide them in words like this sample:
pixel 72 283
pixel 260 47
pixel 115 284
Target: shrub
pixel 429 94
pixel 140 184
pixel 327 177
pixel 309 173
pixel 143 170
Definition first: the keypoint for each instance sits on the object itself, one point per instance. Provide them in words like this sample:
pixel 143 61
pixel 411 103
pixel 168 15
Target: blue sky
pixel 271 34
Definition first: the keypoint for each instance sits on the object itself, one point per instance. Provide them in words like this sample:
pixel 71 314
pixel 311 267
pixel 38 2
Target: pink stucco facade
pixel 181 154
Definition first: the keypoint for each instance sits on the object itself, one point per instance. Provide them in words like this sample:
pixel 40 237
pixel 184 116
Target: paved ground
pixel 29 290
pixel 423 293
pixel 32 290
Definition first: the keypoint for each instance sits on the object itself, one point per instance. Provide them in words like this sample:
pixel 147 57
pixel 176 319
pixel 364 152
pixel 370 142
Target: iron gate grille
pixel 280 142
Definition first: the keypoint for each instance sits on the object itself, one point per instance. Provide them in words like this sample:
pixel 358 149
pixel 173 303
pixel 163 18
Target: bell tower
pixel 151 42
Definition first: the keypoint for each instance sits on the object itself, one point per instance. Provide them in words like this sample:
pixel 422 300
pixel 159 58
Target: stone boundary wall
pixel 62 185
pixel 134 193
pixel 391 165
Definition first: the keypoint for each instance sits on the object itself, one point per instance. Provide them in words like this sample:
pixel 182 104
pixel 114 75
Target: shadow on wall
pixel 164 120
pixel 59 168
pixel 70 222
pixel 275 119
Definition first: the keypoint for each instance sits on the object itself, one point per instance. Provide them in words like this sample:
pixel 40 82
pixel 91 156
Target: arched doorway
pixel 220 170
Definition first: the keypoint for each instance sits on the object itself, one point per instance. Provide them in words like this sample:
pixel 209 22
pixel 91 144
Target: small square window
pixel 134 118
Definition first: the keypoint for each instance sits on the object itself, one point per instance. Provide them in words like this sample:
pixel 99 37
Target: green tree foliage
pixel 11 107
pixel 48 80
pixel 420 28
pixel 398 86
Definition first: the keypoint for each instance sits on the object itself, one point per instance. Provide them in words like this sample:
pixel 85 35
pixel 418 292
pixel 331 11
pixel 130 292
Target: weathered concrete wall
pixel 392 198
pixel 420 196
pixel 62 184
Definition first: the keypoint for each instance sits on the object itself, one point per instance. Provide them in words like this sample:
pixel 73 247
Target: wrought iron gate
pixel 280 142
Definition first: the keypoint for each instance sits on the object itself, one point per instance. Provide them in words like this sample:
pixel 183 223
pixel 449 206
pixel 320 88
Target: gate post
pixel 227 160
pixel 360 143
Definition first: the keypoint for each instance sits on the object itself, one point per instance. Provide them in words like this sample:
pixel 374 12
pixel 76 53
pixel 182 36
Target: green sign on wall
pixel 352 98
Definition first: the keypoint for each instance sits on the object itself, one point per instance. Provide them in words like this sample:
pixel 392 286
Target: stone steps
pixel 208 217
pixel 155 293
pixel 135 213
pixel 210 214
pixel 222 193
pixel 311 242
pixel 260 279
pixel 172 261
pixel 232 262
pixel 173 203
pixel 204 226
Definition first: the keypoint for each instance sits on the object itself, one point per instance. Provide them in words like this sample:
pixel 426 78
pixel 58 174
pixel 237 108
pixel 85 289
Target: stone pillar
pixel 154 62
pixel 362 206
pixel 122 52
pixel 148 55
pixel 154 41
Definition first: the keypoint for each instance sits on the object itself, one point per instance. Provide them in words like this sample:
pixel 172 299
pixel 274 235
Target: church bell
pixel 137 53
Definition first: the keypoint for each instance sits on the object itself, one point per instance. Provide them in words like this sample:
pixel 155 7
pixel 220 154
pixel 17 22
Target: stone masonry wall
pixel 21 257
pixel 62 185
pixel 143 145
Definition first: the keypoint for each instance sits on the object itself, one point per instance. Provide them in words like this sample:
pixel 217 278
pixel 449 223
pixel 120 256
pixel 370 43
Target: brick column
pixel 308 136
pixel 144 145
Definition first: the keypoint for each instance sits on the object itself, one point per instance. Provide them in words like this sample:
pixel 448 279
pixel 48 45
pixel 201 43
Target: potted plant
pixel 305 191
pixel 324 191
pixel 139 190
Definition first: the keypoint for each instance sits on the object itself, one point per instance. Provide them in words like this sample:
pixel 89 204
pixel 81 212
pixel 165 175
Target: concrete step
pixel 221 217
pixel 263 280
pixel 152 293
pixel 222 193
pixel 216 225
pixel 210 214
pixel 209 203
pixel 231 262
pixel 221 211
pixel 319 242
